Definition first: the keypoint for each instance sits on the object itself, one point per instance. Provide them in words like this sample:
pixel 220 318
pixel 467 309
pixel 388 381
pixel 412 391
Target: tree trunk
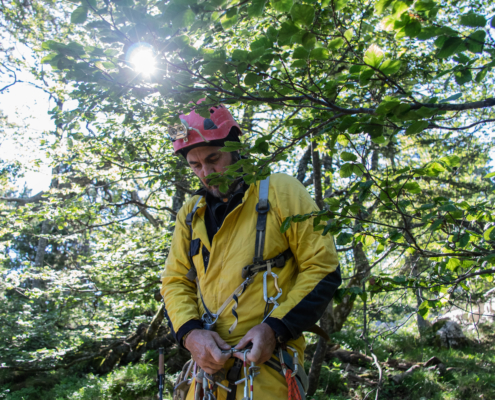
pixel 142 209
pixel 326 323
pixel 302 167
pixel 40 254
pixel 361 271
pixel 415 271
pixel 317 176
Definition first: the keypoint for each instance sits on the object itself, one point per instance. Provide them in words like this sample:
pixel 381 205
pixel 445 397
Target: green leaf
pixel 451 98
pixel 214 55
pixel 473 20
pixel 481 75
pixel 281 5
pixel 412 187
pixel 256 8
pixel 229 19
pixel 490 175
pixel 346 170
pixel 449 47
pixel 451 161
pixel 380 248
pixel 416 127
pixel 463 76
pixel 453 264
pixel 492 24
pixel 336 43
pixel 48 58
pixel 368 240
pixel 287 30
pixel 476 41
pixel 308 41
pixel 299 64
pixel 348 34
pixel 212 67
pixel 464 239
pixel 413 28
pixel 344 238
pixel 261 43
pixel 339 4
pixel 345 156
pixel 302 14
pixel 424 5
pixel 240 55
pixel 285 225
pixel 436 224
pixel 382 5
pixel 489 234
pixel 300 53
pixel 343 140
pixel 390 67
pixel 358 169
pixel 386 106
pixel 252 79
pixel 346 123
pixel 365 76
pixel 373 56
pixel 424 311
pixel 79 15
pixel 320 54
pixel 434 169
pixel 184 19
pixel 232 146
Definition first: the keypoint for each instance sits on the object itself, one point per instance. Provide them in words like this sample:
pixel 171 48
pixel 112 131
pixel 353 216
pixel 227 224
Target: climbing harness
pixel 205 384
pixel 249 272
pixel 294 393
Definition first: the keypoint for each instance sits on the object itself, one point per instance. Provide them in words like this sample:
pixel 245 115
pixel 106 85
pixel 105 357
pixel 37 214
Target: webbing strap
pixel 262 208
pixel 190 216
pixel 275 262
pixel 232 376
pixel 192 273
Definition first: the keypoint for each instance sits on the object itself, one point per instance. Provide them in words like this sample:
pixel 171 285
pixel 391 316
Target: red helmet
pixel 194 130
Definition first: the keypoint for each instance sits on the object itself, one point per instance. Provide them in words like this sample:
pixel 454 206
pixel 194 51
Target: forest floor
pixel 467 373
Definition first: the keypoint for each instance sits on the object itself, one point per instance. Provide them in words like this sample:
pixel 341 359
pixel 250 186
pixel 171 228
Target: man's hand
pixel 206 348
pixel 263 339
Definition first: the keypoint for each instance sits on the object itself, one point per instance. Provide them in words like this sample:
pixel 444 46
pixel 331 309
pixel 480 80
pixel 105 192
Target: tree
pixel 388 101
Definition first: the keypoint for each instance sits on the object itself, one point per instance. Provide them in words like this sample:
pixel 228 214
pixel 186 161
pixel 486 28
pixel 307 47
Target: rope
pixel 294 393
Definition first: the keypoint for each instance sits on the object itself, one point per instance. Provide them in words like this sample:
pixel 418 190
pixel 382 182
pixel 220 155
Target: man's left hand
pixel 263 339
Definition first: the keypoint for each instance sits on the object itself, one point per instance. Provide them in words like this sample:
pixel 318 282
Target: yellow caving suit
pixel 308 280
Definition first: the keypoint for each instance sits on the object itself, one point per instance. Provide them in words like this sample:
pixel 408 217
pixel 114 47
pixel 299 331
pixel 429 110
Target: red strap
pixel 294 393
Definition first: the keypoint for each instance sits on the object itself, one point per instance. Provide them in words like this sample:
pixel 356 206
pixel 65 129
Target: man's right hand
pixel 206 348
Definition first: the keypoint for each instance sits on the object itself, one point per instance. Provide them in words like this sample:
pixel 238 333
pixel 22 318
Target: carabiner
pixel 265 288
pixel 208 324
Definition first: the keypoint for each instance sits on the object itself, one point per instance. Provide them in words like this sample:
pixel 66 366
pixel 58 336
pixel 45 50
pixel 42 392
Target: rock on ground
pixel 449 334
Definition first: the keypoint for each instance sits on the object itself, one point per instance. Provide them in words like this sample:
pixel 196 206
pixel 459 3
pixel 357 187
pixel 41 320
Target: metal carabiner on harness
pixel 208 323
pixel 273 299
pixel 294 360
pixel 265 287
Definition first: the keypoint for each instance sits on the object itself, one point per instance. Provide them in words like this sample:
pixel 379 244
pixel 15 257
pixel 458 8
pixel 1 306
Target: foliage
pixel 392 99
pixel 470 377
pixel 127 383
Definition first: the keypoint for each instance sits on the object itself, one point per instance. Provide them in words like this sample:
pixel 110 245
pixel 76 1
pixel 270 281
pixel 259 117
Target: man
pixel 221 240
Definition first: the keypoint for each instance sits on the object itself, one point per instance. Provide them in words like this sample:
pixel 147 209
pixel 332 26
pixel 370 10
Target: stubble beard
pixel 215 190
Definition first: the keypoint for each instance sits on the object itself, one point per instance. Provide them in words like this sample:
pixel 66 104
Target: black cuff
pixel 188 327
pixel 282 333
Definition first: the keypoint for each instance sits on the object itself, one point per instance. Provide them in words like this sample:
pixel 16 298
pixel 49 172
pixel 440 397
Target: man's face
pixel 206 160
